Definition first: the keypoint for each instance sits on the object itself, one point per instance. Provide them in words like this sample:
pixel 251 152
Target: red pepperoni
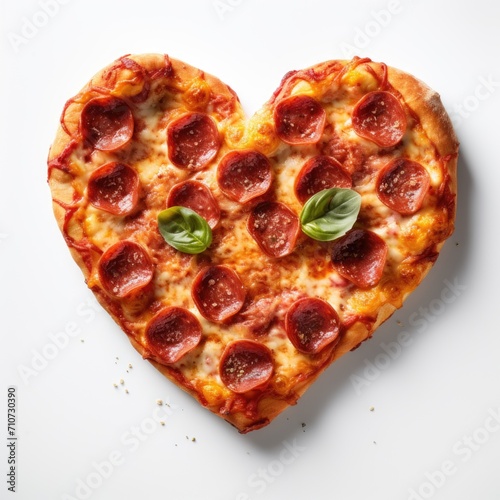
pixel 244 175
pixel 124 268
pixel 311 324
pixel 218 293
pixel 193 141
pixel 402 185
pixel 360 256
pixel 173 332
pixel 379 117
pixel 318 173
pixel 114 188
pixel 196 196
pixel 107 123
pixel 274 227
pixel 246 365
pixel 299 119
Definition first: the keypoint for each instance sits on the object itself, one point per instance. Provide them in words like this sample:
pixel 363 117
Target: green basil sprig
pixel 184 229
pixel 329 214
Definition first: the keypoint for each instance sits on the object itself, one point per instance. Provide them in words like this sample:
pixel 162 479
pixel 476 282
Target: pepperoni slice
pixel 173 332
pixel 196 196
pixel 318 173
pixel 245 365
pixel 402 185
pixel 274 227
pixel 107 123
pixel 360 256
pixel 299 119
pixel 193 141
pixel 114 188
pixel 244 175
pixel 311 324
pixel 125 267
pixel 218 293
pixel 379 117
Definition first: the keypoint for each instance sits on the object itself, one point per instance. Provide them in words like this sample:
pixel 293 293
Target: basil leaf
pixel 329 214
pixel 184 229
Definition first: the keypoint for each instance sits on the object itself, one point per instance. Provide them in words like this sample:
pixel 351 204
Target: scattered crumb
pixel 130 366
pixel 162 422
pixel 115 385
pixel 82 341
pixel 159 402
pixel 374 442
pixel 193 440
pixel 122 381
pixel 126 391
pixel 372 408
pixel 400 323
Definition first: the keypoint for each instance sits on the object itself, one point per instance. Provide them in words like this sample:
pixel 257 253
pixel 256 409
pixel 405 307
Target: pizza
pixel 242 256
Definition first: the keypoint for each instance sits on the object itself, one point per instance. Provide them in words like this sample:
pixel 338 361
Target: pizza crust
pixel 423 102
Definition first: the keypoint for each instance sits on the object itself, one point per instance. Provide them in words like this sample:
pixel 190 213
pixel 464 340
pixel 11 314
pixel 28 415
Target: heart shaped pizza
pixel 243 256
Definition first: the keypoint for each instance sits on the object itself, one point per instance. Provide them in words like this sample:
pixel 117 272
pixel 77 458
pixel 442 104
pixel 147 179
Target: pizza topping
pixel 299 119
pixel 125 267
pixel 274 227
pixel 184 229
pixel 245 365
pixel 107 123
pixel 330 213
pixel 244 175
pixel 360 257
pixel 311 324
pixel 218 293
pixel 402 185
pixel 318 173
pixel 198 197
pixel 173 332
pixel 114 188
pixel 379 117
pixel 193 141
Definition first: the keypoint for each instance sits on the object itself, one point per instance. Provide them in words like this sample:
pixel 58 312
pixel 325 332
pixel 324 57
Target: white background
pixel 389 421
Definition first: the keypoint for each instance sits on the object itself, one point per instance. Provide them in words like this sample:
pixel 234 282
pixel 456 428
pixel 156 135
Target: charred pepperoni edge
pixel 302 312
pixel 170 321
pixel 263 211
pixel 176 143
pixel 124 250
pixel 370 253
pixel 378 133
pixel 316 168
pixel 108 105
pixel 106 176
pixel 209 276
pixel 293 131
pixel 402 171
pixel 186 192
pixel 238 166
pixel 232 376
